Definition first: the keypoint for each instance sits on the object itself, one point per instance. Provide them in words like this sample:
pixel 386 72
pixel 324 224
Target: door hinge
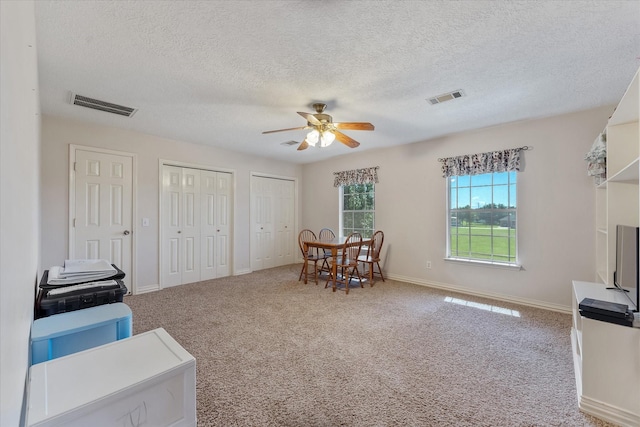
pixel 74 223
pixel 74 166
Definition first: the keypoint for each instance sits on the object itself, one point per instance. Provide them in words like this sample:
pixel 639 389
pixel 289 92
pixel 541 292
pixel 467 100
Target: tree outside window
pixel 357 209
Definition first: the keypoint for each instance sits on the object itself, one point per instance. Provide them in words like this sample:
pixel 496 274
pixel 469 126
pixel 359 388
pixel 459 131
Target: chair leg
pixel 315 269
pixel 303 273
pixel 330 276
pixel 379 270
pixel 346 281
pixel 325 264
pixel 359 277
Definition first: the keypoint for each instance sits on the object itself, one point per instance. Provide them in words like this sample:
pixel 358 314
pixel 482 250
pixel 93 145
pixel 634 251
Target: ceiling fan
pixel 324 131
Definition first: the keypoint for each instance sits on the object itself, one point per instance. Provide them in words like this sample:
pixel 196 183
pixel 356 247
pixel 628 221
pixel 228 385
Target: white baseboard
pixel 609 413
pixel 147 289
pixel 243 271
pixel 492 295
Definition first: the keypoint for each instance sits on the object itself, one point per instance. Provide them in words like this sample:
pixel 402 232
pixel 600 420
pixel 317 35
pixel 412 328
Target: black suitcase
pixel 118 275
pixel 76 297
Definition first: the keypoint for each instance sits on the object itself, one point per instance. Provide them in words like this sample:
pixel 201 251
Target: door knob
pixel 126 232
pixel 179 232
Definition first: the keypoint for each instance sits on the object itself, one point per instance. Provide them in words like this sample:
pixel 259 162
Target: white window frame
pixel 341 210
pixel 450 223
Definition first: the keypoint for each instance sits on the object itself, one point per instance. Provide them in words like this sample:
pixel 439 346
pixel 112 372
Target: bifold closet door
pixel 181 225
pixel 273 235
pixel 285 237
pixel 196 225
pixel 215 224
pixel 262 226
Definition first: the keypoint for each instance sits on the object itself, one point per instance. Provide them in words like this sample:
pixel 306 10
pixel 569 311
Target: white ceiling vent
pixel 446 97
pixel 96 104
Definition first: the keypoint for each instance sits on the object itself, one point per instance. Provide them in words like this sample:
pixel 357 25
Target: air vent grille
pixel 446 97
pixel 292 142
pixel 96 104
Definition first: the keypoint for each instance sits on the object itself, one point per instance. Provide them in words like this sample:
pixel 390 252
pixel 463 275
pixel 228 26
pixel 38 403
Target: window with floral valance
pixel 357 200
pixel 482 206
pixel 356 176
pixel 475 164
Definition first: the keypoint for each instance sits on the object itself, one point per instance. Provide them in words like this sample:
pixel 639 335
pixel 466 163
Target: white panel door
pixel 103 207
pixel 208 219
pixel 171 226
pixel 262 227
pixel 215 224
pixel 223 223
pixel 285 238
pixel 196 218
pixel 273 235
pixel 191 225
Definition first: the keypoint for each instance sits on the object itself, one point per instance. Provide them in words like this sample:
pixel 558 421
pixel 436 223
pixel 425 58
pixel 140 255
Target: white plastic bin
pixel 67 333
pixel 148 379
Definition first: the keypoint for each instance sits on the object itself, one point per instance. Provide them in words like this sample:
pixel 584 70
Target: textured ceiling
pixel 221 72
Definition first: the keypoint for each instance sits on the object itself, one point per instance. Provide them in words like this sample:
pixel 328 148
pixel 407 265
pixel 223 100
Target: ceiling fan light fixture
pixel 324 131
pixel 313 137
pixel 327 138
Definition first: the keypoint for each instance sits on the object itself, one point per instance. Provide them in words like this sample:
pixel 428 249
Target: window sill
pixel 500 265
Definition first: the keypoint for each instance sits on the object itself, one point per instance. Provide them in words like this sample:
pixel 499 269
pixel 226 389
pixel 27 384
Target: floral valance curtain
pixel 475 164
pixel 356 176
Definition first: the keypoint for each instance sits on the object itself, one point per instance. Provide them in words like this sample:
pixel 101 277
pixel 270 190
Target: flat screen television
pixel 626 276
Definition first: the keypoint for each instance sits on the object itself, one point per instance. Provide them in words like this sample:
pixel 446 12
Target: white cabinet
pixel 606 359
pixel 618 198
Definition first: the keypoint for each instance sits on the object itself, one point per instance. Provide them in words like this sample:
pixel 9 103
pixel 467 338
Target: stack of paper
pixel 79 271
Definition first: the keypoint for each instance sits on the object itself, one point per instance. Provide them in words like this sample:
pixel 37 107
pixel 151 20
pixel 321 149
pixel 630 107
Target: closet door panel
pixel 191 225
pixel 223 223
pixel 208 267
pixel 171 226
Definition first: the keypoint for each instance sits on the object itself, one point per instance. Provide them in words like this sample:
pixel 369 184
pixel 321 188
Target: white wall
pixel 19 209
pixel 555 211
pixel 58 134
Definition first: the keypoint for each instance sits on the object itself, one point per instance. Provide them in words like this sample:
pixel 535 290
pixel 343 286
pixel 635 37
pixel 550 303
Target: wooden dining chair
pixel 372 258
pixel 310 256
pixel 347 262
pixel 326 234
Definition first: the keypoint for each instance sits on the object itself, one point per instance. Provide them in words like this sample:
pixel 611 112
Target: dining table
pixel 335 244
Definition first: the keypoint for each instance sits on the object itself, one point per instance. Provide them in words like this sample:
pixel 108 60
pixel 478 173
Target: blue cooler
pixel 66 333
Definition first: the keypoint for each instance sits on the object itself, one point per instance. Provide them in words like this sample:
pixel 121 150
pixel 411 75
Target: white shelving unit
pixel 618 198
pixel 607 356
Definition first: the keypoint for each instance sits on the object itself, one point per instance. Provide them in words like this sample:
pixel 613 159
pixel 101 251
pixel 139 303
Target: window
pixel 357 209
pixel 483 217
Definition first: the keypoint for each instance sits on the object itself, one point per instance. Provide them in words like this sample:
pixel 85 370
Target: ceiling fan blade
pixel 348 141
pixel 303 145
pixel 354 126
pixel 310 118
pixel 283 130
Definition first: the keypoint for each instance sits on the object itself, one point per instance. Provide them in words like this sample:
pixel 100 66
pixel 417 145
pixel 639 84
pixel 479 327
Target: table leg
pixel 334 266
pixel 306 263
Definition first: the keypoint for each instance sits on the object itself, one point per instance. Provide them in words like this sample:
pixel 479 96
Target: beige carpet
pixel 272 351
